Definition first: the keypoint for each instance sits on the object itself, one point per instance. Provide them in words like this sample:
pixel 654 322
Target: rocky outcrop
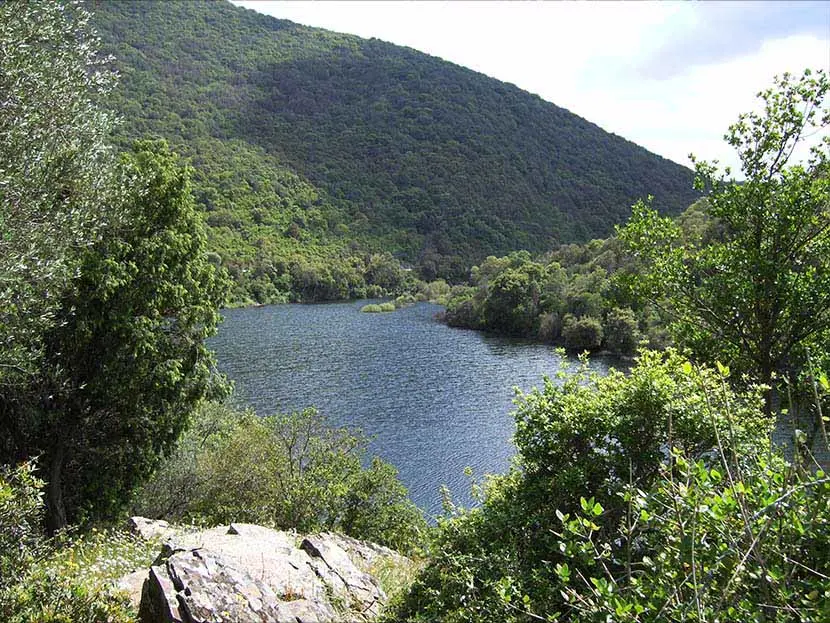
pixel 245 573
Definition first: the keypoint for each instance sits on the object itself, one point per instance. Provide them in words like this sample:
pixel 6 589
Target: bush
pixel 437 291
pixel 726 544
pixel 377 308
pixel 58 580
pixel 621 332
pixel 288 471
pixel 583 335
pixel 464 310
pixel 550 327
pixel 21 505
pixel 405 300
pixel 592 438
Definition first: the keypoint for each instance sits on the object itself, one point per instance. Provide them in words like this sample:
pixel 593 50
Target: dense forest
pixel 313 150
pixel 652 495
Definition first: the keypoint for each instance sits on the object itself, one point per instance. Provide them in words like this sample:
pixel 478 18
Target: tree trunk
pixel 55 510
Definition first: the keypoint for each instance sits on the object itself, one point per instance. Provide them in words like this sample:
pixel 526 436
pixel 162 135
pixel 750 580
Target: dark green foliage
pixel 657 496
pixel 464 311
pixel 290 471
pixel 512 302
pixel 573 296
pixel 621 331
pixel 751 287
pixel 125 362
pixel 106 292
pixel 581 335
pixel 303 135
pixel 550 327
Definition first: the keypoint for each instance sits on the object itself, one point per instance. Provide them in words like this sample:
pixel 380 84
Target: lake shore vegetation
pixel 291 472
pixel 659 495
pixel 647 496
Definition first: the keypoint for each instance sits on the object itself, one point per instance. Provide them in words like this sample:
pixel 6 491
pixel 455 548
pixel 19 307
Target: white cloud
pixel 668 76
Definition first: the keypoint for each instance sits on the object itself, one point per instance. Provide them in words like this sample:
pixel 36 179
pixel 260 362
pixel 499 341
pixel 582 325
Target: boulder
pixel 246 573
pixel 150 529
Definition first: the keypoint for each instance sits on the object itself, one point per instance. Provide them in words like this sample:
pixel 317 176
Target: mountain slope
pixel 394 149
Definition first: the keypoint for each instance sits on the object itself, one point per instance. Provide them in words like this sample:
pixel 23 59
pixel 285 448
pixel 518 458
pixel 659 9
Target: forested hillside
pixel 312 147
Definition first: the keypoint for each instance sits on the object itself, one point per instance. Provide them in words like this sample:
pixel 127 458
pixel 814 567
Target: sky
pixel 670 76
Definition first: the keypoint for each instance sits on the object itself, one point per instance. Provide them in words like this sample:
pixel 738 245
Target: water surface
pixel 435 399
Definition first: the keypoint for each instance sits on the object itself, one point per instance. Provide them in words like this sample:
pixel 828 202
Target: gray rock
pixel 132 584
pixel 150 529
pixel 251 574
pixel 367 555
pixel 357 589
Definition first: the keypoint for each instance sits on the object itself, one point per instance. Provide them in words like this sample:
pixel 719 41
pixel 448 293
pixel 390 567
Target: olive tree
pixel 54 165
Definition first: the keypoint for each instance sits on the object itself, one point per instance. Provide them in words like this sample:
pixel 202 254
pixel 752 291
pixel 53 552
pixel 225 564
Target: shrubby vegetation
pixel 318 149
pixel 59 580
pixel 732 543
pixel 124 361
pixel 570 297
pixel 374 308
pixel 653 496
pixel 401 302
pixel 290 471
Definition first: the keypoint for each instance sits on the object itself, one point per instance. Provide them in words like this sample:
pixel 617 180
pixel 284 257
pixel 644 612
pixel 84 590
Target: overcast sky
pixel 669 76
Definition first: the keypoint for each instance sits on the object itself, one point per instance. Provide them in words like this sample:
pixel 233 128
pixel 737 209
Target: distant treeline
pixel 577 296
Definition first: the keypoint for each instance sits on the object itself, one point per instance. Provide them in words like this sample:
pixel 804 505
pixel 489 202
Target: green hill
pixel 319 149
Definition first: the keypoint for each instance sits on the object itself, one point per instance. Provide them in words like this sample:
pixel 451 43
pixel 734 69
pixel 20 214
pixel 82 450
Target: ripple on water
pixel 434 399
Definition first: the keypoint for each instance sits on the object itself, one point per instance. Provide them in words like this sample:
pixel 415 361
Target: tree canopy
pixel 108 292
pixel 755 291
pixel 315 148
pixel 54 163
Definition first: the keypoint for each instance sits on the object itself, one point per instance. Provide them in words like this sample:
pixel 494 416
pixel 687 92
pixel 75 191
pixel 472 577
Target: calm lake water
pixel 434 399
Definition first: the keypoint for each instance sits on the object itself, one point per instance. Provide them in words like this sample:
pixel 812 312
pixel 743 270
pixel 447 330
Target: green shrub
pixel 288 471
pixel 21 506
pixel 583 335
pixel 437 291
pixel 405 300
pixel 550 327
pixel 587 437
pixel 62 580
pixel 621 332
pixel 376 308
pixel 705 543
pixel 464 310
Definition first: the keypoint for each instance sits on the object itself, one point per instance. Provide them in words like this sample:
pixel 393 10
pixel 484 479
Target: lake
pixel 435 400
